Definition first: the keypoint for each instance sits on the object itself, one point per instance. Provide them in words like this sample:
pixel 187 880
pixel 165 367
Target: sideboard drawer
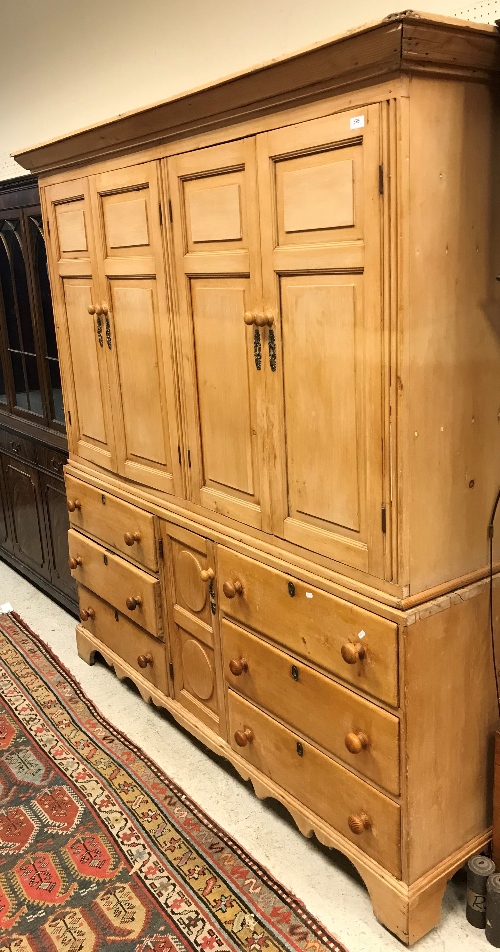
pixel 358 732
pixel 116 581
pixel 111 520
pixel 321 784
pixel 132 644
pixel 311 623
pixel 18 445
pixel 51 459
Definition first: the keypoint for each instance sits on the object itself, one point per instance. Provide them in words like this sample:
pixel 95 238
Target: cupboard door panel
pixel 5 529
pixel 217 253
pixel 322 265
pixel 27 516
pixel 138 327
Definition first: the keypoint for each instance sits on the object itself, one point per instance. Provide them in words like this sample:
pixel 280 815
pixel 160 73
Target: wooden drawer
pixel 107 518
pixel 321 784
pixel 116 580
pixel 124 638
pixel 51 459
pixel 312 624
pixel 17 445
pixel 319 708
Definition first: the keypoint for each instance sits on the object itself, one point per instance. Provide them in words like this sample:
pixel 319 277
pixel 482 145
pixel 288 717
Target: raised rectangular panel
pixel 215 214
pixel 84 357
pixel 126 223
pixel 71 228
pixel 319 197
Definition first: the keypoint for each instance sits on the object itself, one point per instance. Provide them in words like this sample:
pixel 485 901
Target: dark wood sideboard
pixel 33 447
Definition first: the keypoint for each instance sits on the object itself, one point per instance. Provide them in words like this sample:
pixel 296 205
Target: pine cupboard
pixel 277 319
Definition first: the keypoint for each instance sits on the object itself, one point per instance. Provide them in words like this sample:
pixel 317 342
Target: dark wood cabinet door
pixel 29 538
pixel 5 529
pixel 56 513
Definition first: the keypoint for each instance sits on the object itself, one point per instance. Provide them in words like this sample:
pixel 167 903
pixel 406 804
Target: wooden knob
pixel 133 602
pixel 74 562
pixel 98 309
pixel 269 316
pixel 231 589
pixel 144 659
pixel 260 320
pixel 249 318
pixel 358 823
pixel 131 537
pixel 352 653
pixel 237 667
pixel 87 613
pixel 207 575
pixel 104 309
pixel 73 504
pixel 91 309
pixel 355 743
pixel 244 737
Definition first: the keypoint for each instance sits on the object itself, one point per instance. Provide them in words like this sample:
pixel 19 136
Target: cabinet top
pixel 407 42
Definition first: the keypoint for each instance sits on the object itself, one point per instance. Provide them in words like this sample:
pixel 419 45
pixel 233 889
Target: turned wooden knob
pixel 358 823
pixel 74 562
pixel 352 653
pixel 207 575
pixel 244 737
pixel 237 667
pixel 260 320
pixel 269 316
pixel 249 317
pixel 91 309
pixel 231 589
pixel 73 504
pixel 133 602
pixel 355 743
pixel 104 309
pixel 87 613
pixel 144 659
pixel 131 537
pixel 98 309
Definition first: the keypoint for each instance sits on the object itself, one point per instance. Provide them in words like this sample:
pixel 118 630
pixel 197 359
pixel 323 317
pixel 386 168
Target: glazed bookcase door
pixel 84 367
pixel 216 243
pixel 321 244
pixel 137 325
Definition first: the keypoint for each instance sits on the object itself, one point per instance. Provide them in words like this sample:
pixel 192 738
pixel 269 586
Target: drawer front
pixel 17 445
pixel 109 519
pixel 358 732
pixel 51 459
pixel 124 638
pixel 321 784
pixel 311 623
pixel 116 581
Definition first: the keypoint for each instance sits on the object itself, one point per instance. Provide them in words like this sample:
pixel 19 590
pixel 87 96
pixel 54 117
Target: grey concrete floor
pixel 323 879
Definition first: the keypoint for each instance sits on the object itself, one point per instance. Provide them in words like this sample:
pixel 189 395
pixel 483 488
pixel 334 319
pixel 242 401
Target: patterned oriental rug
pixel 99 849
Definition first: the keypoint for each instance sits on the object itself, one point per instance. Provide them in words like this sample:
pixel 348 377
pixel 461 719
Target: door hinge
pixel 161 213
pixel 381 179
pixel 48 227
pixel 189 459
pixel 160 548
pixel 171 670
pixel 69 417
pixel 384 519
pixel 170 215
pixel 179 455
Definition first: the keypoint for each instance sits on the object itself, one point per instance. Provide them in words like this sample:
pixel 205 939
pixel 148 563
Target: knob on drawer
pixel 243 737
pixel 87 613
pixel 359 822
pixel 131 537
pixel 73 504
pixel 231 589
pixel 74 562
pixel 237 667
pixel 133 602
pixel 144 659
pixel 352 653
pixel 207 575
pixel 356 742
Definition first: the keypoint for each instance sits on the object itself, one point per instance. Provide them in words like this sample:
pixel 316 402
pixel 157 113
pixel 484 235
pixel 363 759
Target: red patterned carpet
pixel 99 849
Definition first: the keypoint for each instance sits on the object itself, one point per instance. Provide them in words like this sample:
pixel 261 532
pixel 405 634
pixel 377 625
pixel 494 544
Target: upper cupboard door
pixel 80 323
pixel 137 324
pixel 217 253
pixel 321 243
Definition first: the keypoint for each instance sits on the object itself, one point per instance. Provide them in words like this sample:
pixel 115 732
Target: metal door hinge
pixel 381 179
pixel 161 213
pixel 189 459
pixel 170 215
pixel 179 455
pixel 160 548
pixel 69 417
pixel 171 670
pixel 48 227
pixel 384 519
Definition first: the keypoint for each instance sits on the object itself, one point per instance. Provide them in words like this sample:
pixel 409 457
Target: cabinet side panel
pixel 451 714
pixel 453 461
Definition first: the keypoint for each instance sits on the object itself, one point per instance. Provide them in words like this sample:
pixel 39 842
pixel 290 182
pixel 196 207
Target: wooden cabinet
pixel 276 305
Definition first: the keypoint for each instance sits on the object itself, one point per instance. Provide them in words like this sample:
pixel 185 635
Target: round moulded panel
pixel 189 584
pixel 197 670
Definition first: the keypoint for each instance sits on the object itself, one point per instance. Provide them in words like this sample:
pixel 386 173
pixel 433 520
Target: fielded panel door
pixel 137 327
pixel 80 323
pixel 321 259
pixel 217 254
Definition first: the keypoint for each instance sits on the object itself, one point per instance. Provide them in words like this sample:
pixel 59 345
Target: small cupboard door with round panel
pixel 321 259
pixel 80 322
pixel 137 326
pixel 217 257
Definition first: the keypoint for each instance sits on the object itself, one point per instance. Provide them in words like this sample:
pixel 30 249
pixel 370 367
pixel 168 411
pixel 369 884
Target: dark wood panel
pixel 5 527
pixel 54 498
pixel 29 543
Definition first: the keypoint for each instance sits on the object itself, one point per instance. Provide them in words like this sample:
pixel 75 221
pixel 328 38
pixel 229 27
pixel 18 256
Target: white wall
pixel 68 63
